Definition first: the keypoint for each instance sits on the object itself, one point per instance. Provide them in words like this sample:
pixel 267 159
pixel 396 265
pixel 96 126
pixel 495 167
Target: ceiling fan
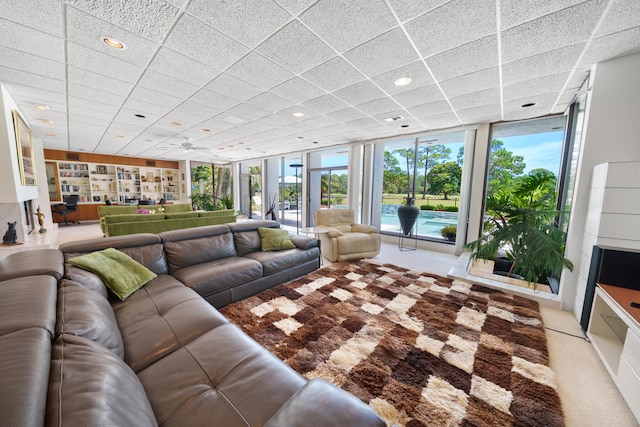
pixel 187 145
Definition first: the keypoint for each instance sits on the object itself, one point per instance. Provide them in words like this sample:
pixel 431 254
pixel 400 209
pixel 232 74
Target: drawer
pixel 631 351
pixel 629 385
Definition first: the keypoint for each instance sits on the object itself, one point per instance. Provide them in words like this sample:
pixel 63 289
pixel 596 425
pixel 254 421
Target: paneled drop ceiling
pixel 254 78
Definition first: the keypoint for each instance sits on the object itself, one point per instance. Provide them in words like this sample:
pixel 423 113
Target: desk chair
pixel 70 205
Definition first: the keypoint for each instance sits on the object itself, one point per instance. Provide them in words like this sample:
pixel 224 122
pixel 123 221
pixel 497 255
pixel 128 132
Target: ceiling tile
pixel 297 90
pixel 359 93
pixel 448 26
pixel 476 99
pixel 216 100
pixel 97 81
pixel 481 114
pixel 31 41
pixel 31 63
pixel 155 97
pixel 416 71
pixel 333 74
pixel 325 104
pixel 516 12
pixel 612 46
pixel 198 110
pixel 45 15
pixel 91 60
pixel 623 14
pixel 347 115
pixel 144 108
pixel 29 103
pixel 566 27
pixel 259 71
pixel 321 121
pixel 87 30
pixel 475 56
pixel 378 106
pixel 228 85
pixel 166 84
pixel 408 9
pixel 182 67
pixel 33 80
pixel 296 6
pixel 533 87
pixel 543 102
pixel 91 108
pixel 249 22
pixel 419 96
pixel 295 48
pixel 41 94
pixel 247 112
pixel 329 18
pixel 384 53
pixel 440 121
pixel 203 43
pixel 95 94
pixel 158 15
pixel 472 82
pixel 270 102
pixel 430 109
pixel 544 64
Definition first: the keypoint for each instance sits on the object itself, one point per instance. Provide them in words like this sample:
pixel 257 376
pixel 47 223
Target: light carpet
pixel 420 349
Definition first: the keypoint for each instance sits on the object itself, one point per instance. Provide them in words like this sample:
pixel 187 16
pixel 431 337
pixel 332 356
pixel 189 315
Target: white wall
pixel 610 135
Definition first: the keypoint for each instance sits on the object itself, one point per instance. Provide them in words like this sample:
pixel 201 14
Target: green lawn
pixel 399 199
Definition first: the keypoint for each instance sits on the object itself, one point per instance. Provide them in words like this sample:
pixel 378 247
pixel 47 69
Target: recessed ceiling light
pixel 248 148
pixel 220 148
pixel 527 105
pixel 404 126
pixel 47 121
pixel 120 136
pixel 81 149
pixel 393 119
pixel 298 114
pixel 113 42
pixel 206 130
pixel 147 140
pixel 42 107
pixel 50 134
pixel 315 142
pixel 232 120
pixel 176 123
pixel 140 116
pixel 299 137
pixel 402 81
pixel 556 128
pixel 231 146
pixel 240 142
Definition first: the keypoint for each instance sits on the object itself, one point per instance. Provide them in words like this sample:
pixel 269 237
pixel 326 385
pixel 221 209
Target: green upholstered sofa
pixel 118 222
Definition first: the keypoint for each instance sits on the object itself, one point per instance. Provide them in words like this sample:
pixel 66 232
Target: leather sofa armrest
pixel 32 263
pixel 322 404
pixel 361 228
pixel 304 242
pixel 334 233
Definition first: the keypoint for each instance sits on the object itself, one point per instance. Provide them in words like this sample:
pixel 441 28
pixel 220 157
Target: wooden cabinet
pixel 614 330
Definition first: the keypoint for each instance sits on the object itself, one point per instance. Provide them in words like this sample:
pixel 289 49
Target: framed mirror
pixel 52 181
pixel 26 161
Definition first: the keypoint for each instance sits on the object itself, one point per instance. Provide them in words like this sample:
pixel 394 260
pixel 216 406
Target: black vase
pixel 407 214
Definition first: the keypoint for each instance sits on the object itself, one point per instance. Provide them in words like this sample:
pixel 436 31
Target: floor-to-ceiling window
pixel 290 186
pixel 327 180
pixel 211 186
pixel 251 189
pixel 427 169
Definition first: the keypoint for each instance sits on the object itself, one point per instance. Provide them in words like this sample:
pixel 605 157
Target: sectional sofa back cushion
pixel 91 386
pixel 179 215
pixel 246 236
pixel 177 207
pixel 115 219
pixel 198 245
pixel 85 313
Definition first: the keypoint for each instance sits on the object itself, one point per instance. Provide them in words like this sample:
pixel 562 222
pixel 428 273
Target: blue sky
pixel 542 150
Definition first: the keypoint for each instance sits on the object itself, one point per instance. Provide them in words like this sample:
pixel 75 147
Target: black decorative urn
pixel 407 214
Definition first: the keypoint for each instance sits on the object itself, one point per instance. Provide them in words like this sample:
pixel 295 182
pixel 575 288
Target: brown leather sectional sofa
pixel 73 354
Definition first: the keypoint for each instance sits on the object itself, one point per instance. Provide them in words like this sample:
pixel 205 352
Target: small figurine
pixel 11 236
pixel 40 216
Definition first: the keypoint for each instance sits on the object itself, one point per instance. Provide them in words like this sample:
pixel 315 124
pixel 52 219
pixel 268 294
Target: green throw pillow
pixel 121 273
pixel 275 239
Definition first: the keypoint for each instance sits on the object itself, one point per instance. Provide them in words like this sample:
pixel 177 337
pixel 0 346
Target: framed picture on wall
pixel 26 162
pixel 102 169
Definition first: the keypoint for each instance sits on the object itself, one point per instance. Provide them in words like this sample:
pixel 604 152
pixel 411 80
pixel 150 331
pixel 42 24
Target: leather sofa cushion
pixel 223 378
pixel 32 263
pixel 28 302
pixel 91 386
pixel 87 278
pixel 197 245
pixel 247 242
pixel 214 276
pixel 358 242
pixel 160 318
pixel 25 357
pixel 87 314
pixel 275 262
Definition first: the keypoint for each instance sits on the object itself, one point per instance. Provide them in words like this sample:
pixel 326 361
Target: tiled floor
pixel 589 396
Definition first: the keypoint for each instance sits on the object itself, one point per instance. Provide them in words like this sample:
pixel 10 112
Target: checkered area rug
pixel 420 349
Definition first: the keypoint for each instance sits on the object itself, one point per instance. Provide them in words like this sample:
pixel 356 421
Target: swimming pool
pixel 429 222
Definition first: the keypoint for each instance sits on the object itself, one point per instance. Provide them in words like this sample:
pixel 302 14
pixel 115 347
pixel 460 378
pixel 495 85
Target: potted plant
pixel 449 232
pixel 522 224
